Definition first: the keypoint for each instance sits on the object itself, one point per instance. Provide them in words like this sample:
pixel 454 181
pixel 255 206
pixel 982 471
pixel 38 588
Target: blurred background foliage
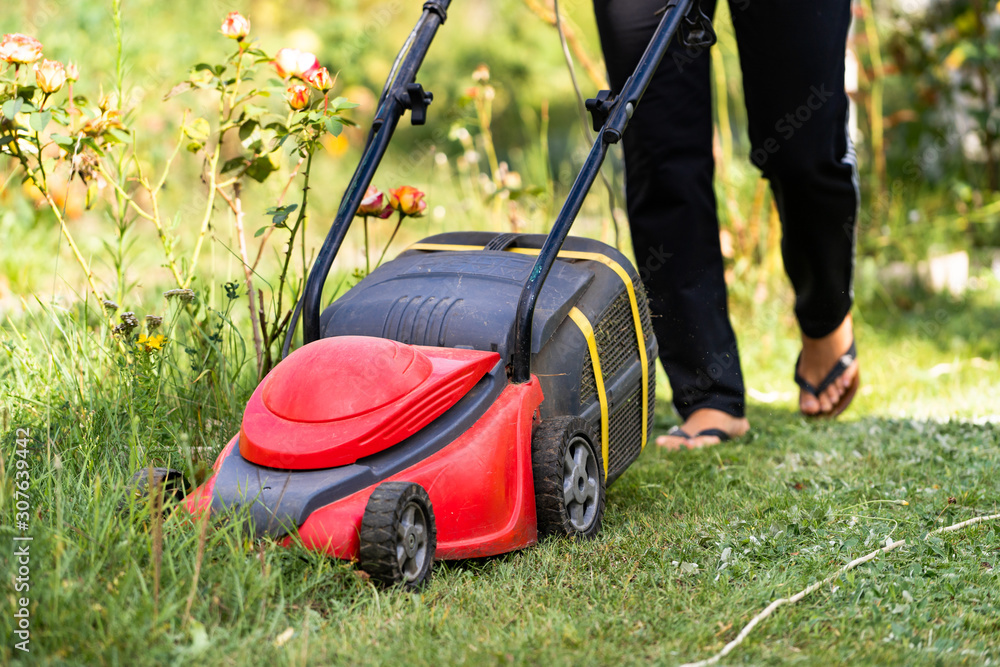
pixel 925 114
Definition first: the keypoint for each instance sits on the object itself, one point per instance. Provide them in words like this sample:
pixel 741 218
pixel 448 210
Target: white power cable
pixel 890 546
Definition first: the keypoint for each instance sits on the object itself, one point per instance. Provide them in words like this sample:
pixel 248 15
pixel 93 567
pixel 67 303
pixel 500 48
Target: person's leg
pixel 792 57
pixel 675 233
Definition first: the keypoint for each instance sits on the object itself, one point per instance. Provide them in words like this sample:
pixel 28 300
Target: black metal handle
pixel 611 132
pixel 386 119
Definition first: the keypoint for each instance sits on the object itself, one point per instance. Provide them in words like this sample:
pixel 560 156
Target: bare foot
pixel 819 355
pixel 700 420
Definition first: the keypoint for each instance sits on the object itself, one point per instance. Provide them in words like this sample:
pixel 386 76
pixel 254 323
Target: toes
pixel 704 441
pixel 808 404
pixel 671 442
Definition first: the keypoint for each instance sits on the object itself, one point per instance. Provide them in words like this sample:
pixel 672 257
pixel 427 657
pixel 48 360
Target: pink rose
pixel 50 75
pixel 373 205
pixel 20 49
pixel 292 62
pixel 235 26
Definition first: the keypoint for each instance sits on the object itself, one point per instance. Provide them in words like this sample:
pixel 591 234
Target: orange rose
pixel 50 75
pixel 20 49
pixel 298 96
pixel 319 79
pixel 408 201
pixel 292 62
pixel 235 26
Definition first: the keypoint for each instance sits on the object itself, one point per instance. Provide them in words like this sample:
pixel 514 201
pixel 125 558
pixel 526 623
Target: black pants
pixel 792 57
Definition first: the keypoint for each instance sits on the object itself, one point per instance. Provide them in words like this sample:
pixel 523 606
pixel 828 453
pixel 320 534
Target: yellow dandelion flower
pixel 150 343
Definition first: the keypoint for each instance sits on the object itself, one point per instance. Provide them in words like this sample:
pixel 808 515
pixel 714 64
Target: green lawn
pixel 694 543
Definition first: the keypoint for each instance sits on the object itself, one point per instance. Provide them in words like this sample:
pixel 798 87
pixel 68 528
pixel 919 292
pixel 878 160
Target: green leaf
pixel 122 136
pixel 334 126
pixel 92 145
pixel 247 128
pixel 340 103
pixel 261 168
pixel 39 120
pixel 235 163
pixel 280 141
pixel 11 108
pixel 279 214
pixel 198 131
pixel 254 111
pixel 181 87
pixel 260 231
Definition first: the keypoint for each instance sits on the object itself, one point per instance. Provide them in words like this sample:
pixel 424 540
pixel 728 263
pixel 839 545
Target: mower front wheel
pixel 398 535
pixel 145 482
pixel 569 478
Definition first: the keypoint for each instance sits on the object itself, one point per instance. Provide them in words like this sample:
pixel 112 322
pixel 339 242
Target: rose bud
pixel 72 72
pixel 20 49
pixel 408 201
pixel 292 62
pixel 50 76
pixel 235 26
pixel 320 79
pixel 298 96
pixel 373 203
pixel 481 74
pixel 285 61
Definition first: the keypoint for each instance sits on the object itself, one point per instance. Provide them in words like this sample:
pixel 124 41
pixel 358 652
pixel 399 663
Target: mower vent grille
pixel 615 326
pixel 587 386
pixel 640 296
pixel 625 435
pixel 651 403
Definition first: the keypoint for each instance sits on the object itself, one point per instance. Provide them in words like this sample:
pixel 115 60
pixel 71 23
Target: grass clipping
pixel 889 546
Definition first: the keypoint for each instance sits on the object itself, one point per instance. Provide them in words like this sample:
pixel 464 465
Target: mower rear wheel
pixel 398 535
pixel 569 478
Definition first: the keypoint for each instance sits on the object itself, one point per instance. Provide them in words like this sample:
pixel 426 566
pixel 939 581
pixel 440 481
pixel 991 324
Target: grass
pixel 693 544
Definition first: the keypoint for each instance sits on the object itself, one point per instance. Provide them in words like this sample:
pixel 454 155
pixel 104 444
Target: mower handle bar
pixel 619 110
pixel 391 108
pixel 622 107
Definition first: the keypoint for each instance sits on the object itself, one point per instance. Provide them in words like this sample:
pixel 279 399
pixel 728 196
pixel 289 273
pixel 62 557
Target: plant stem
pixel 299 219
pixel 281 200
pixel 236 204
pixel 368 269
pixel 386 249
pixel 213 166
pixel 43 188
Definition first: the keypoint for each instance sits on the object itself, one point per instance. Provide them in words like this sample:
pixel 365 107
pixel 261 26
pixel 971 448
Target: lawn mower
pixel 472 395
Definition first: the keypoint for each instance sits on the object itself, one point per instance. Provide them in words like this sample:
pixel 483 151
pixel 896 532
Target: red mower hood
pixel 340 399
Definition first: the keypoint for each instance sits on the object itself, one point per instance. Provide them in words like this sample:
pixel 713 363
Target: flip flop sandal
pixel 838 369
pixel 678 432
